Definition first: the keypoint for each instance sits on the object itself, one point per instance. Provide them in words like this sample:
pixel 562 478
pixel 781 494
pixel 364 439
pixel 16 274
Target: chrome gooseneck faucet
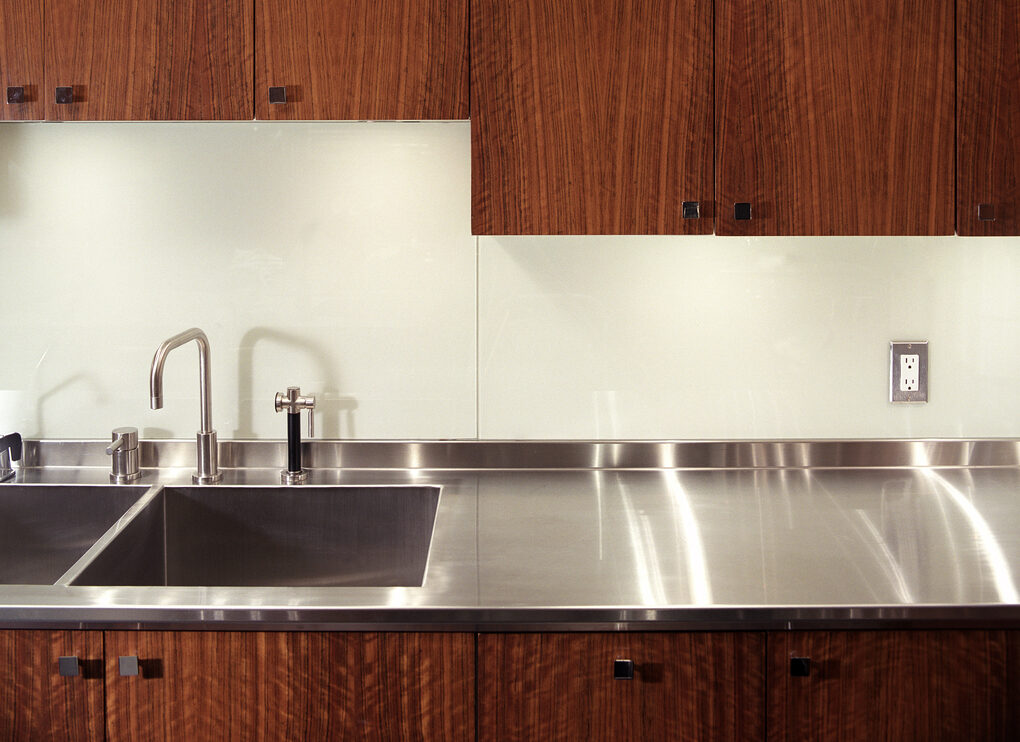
pixel 208 448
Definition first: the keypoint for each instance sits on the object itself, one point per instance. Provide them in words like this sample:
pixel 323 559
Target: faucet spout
pixel 208 469
pixel 204 385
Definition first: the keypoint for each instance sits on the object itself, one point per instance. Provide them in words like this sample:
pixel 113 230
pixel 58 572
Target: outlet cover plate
pixel 899 348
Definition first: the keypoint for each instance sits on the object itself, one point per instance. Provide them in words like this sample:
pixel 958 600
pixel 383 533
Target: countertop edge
pixel 513 619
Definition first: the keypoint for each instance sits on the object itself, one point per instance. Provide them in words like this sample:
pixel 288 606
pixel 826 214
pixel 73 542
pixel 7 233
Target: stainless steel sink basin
pixel 45 529
pixel 273 536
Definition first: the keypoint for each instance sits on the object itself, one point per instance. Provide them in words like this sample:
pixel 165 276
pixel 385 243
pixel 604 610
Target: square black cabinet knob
pixel 128 666
pixel 65 95
pixel 986 212
pixel 692 209
pixel 742 211
pixel 16 94
pixel 623 669
pixel 278 94
pixel 68 667
pixel 800 667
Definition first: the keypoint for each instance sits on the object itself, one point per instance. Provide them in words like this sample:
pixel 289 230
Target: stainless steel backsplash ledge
pixel 549 454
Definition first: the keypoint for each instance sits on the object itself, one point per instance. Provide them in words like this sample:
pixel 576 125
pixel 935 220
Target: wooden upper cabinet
pixel 835 116
pixel 988 124
pixel 149 59
pixel 943 686
pixel 36 701
pixel 21 60
pixel 591 116
pixel 361 59
pixel 566 687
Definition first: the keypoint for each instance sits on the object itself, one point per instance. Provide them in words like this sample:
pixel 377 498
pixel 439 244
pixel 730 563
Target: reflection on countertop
pixel 520 548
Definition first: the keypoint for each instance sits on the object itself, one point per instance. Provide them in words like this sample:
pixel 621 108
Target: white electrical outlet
pixel 908 371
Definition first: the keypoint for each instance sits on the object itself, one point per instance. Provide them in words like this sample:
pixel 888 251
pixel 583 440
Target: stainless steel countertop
pixel 636 548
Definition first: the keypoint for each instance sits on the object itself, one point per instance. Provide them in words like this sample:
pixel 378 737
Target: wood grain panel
pixel 988 111
pixel 891 685
pixel 292 686
pixel 150 59
pixel 363 59
pixel 36 703
pixel 1013 683
pixel 591 116
pixel 690 686
pixel 835 116
pixel 21 58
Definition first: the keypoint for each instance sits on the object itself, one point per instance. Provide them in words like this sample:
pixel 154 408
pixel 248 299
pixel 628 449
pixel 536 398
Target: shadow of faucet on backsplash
pixel 40 401
pixel 331 406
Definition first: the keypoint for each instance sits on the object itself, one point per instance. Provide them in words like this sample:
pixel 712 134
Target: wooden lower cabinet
pixel 894 685
pixel 221 686
pixel 209 685
pixel 36 702
pixel 686 686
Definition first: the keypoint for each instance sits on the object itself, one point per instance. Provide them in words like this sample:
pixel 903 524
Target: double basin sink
pixel 307 536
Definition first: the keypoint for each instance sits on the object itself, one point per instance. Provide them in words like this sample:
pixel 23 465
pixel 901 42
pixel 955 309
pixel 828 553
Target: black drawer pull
pixel 623 669
pixel 800 667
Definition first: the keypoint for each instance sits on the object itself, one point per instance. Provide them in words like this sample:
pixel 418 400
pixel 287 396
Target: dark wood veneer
pixel 892 685
pixel 277 686
pixel 21 58
pixel 363 59
pixel 835 116
pixel 988 115
pixel 150 59
pixel 689 686
pixel 591 116
pixel 35 701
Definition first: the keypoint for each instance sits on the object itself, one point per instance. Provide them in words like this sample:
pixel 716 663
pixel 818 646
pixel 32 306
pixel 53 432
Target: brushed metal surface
pixel 551 455
pixel 45 529
pixel 369 535
pixel 750 538
pixel 899 545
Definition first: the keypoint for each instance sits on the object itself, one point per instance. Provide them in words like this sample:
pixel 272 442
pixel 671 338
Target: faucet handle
pixel 124 439
pixel 293 403
pixel 124 450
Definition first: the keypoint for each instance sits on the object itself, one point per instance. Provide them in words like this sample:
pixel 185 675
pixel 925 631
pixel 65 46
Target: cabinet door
pixel 362 59
pixel 149 59
pixel 220 686
pixel 891 685
pixel 834 117
pixel 36 701
pixel 988 110
pixel 691 686
pixel 21 60
pixel 591 116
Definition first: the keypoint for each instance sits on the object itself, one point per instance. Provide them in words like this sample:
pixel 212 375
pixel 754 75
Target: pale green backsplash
pixel 338 257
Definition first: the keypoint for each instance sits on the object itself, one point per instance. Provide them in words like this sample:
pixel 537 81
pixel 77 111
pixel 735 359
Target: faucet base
pixel 293 477
pixel 208 459
pixel 125 478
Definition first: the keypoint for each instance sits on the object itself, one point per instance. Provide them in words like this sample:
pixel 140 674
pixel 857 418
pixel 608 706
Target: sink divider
pixel 76 569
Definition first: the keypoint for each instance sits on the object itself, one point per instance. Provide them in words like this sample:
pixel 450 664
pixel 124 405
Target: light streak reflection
pixel 1002 576
pixel 694 549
